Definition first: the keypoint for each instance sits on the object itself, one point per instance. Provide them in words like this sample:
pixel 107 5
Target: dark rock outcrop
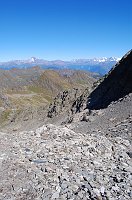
pixel 115 85
pixel 63 102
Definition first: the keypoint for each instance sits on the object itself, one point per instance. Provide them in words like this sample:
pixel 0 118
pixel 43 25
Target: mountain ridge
pixel 99 65
pixel 116 84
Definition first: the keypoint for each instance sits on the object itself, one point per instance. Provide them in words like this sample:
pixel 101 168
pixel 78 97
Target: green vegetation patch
pixel 5 116
pixel 1 103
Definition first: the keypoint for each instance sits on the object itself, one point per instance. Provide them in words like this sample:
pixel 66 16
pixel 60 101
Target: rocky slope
pixel 55 162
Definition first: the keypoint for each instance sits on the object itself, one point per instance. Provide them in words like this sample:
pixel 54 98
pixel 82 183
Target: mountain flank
pixel 115 85
pixel 24 93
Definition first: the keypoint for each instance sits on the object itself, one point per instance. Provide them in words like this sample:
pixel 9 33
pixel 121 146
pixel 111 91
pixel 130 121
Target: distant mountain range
pixel 101 65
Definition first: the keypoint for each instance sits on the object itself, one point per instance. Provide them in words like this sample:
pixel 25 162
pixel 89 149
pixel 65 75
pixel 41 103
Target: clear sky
pixel 64 29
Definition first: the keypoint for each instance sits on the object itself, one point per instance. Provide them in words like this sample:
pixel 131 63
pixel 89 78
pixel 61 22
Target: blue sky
pixel 64 29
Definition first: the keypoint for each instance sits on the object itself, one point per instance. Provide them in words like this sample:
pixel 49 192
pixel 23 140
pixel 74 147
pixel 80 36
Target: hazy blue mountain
pixel 101 66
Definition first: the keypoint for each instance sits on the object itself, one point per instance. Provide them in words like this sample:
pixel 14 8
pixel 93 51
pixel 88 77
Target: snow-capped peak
pixel 97 60
pixel 104 59
pixel 33 59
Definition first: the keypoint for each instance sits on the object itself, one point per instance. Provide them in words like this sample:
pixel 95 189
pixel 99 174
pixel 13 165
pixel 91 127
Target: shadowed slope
pixel 115 85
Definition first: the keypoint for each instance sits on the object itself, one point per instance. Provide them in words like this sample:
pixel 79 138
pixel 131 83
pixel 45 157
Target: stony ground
pixel 115 120
pixel 55 162
pixel 89 159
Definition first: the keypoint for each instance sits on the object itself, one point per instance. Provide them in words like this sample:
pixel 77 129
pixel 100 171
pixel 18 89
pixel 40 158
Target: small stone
pixel 102 190
pixel 80 194
pixel 55 195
